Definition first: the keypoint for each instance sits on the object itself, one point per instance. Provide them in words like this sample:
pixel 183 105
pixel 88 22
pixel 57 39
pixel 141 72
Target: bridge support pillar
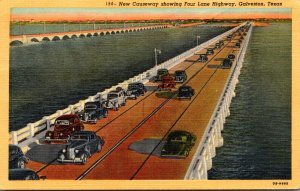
pixel 24 39
pixel 219 134
pixel 47 122
pixel 81 104
pixel 208 158
pixel 14 137
pixel 71 108
pixel 31 129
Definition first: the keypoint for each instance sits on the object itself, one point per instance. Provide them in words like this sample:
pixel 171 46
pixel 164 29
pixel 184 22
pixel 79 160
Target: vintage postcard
pixel 141 94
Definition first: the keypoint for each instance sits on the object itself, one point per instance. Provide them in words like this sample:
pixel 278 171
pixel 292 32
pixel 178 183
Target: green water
pixel 257 134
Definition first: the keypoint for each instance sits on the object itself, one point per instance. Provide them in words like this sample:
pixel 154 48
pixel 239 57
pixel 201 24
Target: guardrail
pixel 212 138
pixel 33 132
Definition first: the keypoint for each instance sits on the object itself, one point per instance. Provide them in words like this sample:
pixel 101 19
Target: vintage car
pixel 135 90
pixel 161 73
pixel 64 126
pixel 229 37
pixel 185 92
pixel 17 159
pixel 115 99
pixel 23 174
pixel 180 76
pixel 203 58
pixel 210 51
pixel 227 63
pixel 217 45
pixel 240 40
pixel 168 82
pixel 82 145
pixel 238 45
pixel 92 112
pixel 178 144
pixel 231 56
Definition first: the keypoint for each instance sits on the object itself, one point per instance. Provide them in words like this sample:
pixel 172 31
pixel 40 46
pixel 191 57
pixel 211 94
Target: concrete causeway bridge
pixel 45 37
pixel 145 122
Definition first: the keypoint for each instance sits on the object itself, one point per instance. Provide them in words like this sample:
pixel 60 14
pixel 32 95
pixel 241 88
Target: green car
pixel 161 73
pixel 178 144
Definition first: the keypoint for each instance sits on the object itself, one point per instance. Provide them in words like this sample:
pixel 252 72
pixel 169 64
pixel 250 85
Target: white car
pixel 115 99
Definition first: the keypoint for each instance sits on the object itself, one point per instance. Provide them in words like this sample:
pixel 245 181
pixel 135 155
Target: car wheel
pixel 105 114
pixel 117 107
pixel 21 164
pixel 99 147
pixel 83 158
pixel 187 152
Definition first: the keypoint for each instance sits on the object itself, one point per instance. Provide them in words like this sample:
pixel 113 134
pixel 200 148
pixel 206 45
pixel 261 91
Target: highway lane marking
pixel 141 123
pixel 161 140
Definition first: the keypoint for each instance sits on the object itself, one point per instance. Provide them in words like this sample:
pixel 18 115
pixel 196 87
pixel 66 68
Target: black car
pixel 17 159
pixel 229 37
pixel 81 146
pixel 210 51
pixel 23 174
pixel 185 92
pixel 178 144
pixel 227 63
pixel 231 56
pixel 135 90
pixel 217 45
pixel 93 111
pixel 238 45
pixel 203 58
pixel 180 76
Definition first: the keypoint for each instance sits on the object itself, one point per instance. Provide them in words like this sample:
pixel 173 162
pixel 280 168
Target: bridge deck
pixel 117 161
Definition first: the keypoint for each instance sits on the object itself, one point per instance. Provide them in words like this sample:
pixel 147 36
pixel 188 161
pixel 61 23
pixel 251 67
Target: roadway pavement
pixel 135 134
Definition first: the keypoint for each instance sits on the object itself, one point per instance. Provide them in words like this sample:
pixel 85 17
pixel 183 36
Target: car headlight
pixel 64 150
pixel 50 134
pixel 76 151
pixel 61 134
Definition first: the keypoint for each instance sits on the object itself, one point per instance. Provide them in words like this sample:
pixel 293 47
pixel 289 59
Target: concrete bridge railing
pixel 212 137
pixel 34 132
pixel 35 38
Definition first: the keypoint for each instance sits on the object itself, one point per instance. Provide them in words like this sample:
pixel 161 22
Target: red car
pixel 168 82
pixel 64 126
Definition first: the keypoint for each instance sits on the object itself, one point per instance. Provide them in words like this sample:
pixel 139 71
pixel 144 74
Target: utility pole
pixel 156 51
pixel 198 37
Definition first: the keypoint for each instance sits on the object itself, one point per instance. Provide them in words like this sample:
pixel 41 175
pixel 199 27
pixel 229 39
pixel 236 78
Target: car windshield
pixel 160 72
pixel 133 86
pixel 209 49
pixel 62 122
pixel 202 55
pixel 179 73
pixel 79 137
pixel 12 151
pixel 112 96
pixel 178 139
pixel 227 61
pixel 184 89
pixel 90 107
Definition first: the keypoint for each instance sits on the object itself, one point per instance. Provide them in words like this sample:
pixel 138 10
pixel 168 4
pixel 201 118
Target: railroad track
pixel 98 161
